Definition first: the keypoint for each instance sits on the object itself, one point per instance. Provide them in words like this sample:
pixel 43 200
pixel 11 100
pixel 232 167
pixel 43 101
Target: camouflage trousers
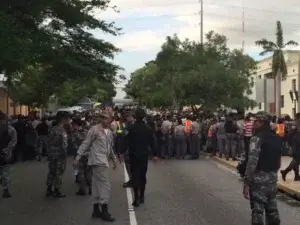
pixel 84 176
pixel 57 168
pixel 263 200
pixel 5 176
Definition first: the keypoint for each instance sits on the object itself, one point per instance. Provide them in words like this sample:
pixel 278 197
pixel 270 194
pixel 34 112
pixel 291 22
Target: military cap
pixel 262 116
pixel 77 121
pixel 62 115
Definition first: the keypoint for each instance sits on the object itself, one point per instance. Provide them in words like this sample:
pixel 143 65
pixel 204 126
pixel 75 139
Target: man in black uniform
pixel 138 140
pixel 260 182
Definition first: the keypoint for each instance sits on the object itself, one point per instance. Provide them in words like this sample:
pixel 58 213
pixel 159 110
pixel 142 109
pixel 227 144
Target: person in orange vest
pixel 188 125
pixel 280 128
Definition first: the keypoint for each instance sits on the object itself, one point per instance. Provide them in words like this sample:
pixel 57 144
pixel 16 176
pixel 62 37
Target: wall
pixel 11 110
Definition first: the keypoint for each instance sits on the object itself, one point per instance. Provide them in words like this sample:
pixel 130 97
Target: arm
pixel 153 143
pixel 86 144
pixel 254 152
pixel 13 141
pixel 112 153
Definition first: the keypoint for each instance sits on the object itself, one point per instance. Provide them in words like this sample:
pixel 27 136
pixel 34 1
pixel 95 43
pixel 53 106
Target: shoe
pixel 105 215
pixel 80 192
pixel 6 194
pixel 142 200
pixel 58 194
pixel 49 192
pixel 96 211
pixel 136 203
pixel 128 184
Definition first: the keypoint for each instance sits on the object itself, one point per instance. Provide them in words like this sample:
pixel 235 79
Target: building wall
pixel 12 110
pixel 264 67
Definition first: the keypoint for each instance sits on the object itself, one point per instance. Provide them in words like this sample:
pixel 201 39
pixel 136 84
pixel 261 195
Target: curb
pixel 281 186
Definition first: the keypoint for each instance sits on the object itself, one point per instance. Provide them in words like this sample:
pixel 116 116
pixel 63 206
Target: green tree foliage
pixel 184 73
pixel 55 37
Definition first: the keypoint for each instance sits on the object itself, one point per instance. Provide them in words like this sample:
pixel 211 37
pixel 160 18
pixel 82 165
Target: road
pixel 179 192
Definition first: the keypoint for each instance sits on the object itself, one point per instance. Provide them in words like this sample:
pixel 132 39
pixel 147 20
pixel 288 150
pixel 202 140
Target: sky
pixel 146 23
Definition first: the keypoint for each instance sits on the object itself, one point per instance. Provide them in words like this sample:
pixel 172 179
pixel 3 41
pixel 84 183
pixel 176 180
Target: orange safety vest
pixel 280 130
pixel 188 125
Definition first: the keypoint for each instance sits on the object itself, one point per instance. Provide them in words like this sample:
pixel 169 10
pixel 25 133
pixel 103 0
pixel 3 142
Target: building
pixel 13 108
pixel 264 70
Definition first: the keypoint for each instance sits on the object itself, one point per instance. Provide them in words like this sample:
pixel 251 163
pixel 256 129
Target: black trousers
pixel 139 167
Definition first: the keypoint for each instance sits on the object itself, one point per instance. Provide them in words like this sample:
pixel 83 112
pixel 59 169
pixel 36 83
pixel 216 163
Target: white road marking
pixel 132 217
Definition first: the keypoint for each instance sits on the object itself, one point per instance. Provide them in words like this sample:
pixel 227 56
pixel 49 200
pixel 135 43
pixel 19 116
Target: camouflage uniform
pixel 57 155
pixel 5 155
pixel 84 171
pixel 262 186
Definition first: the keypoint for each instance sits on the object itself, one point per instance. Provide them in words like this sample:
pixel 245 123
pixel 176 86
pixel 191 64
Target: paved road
pixel 179 192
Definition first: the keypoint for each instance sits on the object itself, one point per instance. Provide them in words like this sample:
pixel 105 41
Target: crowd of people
pixel 93 139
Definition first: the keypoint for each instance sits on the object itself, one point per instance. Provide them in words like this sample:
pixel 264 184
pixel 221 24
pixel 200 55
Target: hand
pixel 155 159
pixel 75 163
pixel 246 191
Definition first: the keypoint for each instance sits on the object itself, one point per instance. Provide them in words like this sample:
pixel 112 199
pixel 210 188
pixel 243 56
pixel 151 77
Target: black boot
pixel 80 192
pixel 136 201
pixel 58 194
pixel 142 194
pixel 49 191
pixel 105 216
pixel 128 184
pixel 96 211
pixel 6 193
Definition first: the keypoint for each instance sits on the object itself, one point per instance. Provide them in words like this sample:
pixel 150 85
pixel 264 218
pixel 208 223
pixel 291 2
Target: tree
pixel 55 37
pixel 279 71
pixel 186 73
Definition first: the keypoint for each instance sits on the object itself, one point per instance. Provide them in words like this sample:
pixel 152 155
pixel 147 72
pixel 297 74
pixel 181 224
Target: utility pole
pixel 243 27
pixel 201 21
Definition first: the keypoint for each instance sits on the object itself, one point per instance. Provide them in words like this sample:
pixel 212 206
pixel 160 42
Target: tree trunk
pixel 278 93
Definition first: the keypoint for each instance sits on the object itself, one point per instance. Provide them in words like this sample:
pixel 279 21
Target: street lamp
pixel 294 97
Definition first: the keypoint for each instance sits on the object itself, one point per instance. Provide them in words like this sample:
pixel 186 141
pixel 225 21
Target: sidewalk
pixel 289 186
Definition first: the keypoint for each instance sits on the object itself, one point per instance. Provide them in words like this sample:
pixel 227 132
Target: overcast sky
pixel 146 23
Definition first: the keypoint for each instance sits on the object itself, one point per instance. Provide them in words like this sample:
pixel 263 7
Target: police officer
pixel 260 182
pixel 8 140
pixel 57 155
pixel 138 140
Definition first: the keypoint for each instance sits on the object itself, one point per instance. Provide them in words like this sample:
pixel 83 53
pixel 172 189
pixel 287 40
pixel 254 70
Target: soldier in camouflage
pixel 8 140
pixel 260 182
pixel 57 155
pixel 84 176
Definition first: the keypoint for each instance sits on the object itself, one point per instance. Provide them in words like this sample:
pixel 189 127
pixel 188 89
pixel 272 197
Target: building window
pixel 259 105
pixel 11 104
pixel 294 70
pixel 294 113
pixel 282 101
pixel 259 77
pixel 293 84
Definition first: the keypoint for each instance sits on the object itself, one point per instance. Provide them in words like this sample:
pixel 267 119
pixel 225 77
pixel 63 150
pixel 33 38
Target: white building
pixel 264 69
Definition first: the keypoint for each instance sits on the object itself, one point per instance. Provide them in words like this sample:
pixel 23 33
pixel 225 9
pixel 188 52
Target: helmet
pixel 262 116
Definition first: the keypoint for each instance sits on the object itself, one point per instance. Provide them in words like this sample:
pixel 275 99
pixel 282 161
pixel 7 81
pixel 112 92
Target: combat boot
pixel 96 211
pixel 80 192
pixel 128 184
pixel 49 191
pixel 6 193
pixel 58 194
pixel 105 215
pixel 297 177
